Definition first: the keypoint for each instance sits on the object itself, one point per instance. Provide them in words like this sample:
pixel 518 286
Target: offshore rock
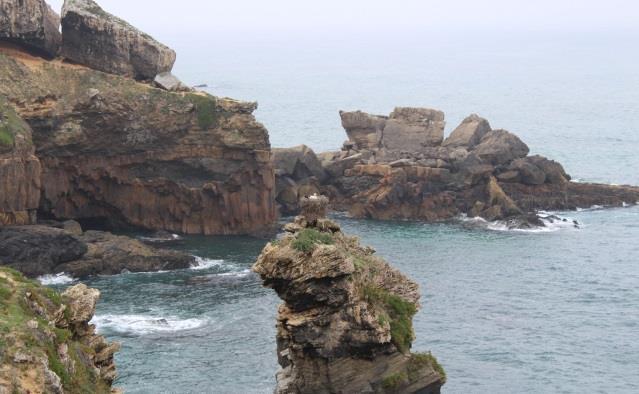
pixel 31 24
pixel 101 41
pixel 346 322
pixel 123 153
pixel 299 174
pixel 48 345
pixel 20 170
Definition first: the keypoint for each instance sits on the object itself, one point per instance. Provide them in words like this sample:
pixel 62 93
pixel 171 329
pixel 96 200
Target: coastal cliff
pixel 122 153
pixel 476 171
pixel 46 342
pixel 346 322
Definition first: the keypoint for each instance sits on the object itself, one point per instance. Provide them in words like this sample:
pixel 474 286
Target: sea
pixel 548 310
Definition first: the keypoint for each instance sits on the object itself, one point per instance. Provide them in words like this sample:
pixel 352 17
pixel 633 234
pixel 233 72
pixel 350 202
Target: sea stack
pixel 346 322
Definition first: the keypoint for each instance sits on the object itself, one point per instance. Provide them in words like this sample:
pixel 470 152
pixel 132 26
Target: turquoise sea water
pixel 505 312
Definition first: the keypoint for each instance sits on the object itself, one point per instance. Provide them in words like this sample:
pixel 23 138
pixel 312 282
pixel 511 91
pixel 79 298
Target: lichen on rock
pixel 346 322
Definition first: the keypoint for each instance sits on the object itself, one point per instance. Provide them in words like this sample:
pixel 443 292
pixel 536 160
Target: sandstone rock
pixel 501 147
pixel 363 129
pixel 38 250
pixel 19 170
pixel 529 173
pixel 469 133
pixel 30 23
pixel 337 301
pixel 170 82
pixel 298 163
pixel 82 303
pixel 127 154
pixel 338 167
pixel 411 129
pixel 97 39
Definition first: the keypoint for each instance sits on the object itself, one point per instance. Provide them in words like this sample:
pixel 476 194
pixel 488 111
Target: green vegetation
pixel 6 137
pixel 397 310
pixel 206 108
pixel 420 360
pixel 308 238
pixel 393 381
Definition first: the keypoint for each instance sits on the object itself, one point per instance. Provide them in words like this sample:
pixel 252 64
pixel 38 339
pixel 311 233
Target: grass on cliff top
pixel 308 238
pixel 397 311
pixel 206 108
pixel 16 336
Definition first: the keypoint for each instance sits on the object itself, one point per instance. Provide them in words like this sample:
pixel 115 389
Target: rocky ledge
pixel 63 247
pixel 46 342
pixel 401 167
pixel 346 322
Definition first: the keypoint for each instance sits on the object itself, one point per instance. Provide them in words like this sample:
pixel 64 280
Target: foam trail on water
pixel 144 324
pixel 57 279
pixel 201 263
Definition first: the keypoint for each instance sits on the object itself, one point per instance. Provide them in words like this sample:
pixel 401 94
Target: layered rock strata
pixel 346 322
pixel 476 171
pixel 31 23
pixel 123 153
pixel 101 41
pixel 47 342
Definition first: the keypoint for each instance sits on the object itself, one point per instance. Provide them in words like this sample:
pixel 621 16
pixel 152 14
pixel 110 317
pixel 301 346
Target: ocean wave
pixel 202 263
pixel 237 274
pixel 592 208
pixel 552 222
pixel 144 324
pixel 57 279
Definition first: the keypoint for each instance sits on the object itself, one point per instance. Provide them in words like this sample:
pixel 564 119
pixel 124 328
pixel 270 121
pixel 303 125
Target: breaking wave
pixel 56 279
pixel 144 324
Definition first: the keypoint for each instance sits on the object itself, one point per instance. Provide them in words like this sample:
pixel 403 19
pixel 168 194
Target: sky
pixel 160 16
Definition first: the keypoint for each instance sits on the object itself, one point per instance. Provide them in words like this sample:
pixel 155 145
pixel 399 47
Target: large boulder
pixel 363 129
pixel 38 250
pixel 20 170
pixel 501 147
pixel 554 171
pixel 412 129
pixel 529 173
pixel 99 40
pixel 299 162
pixel 469 133
pixel 30 23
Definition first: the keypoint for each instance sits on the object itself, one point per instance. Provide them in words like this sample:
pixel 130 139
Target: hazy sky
pixel 374 15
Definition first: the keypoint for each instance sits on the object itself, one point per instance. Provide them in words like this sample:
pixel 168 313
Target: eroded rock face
pixel 101 41
pixel 469 133
pixel 48 345
pixel 30 23
pixel 19 170
pixel 299 174
pixel 346 322
pixel 411 129
pixel 501 147
pixel 123 152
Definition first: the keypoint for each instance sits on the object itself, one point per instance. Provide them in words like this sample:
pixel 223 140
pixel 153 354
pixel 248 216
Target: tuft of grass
pixel 392 382
pixel 308 238
pixel 399 311
pixel 6 137
pixel 420 360
pixel 206 108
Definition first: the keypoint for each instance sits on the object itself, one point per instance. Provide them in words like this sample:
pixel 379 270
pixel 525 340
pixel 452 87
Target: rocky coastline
pixel 401 167
pixel 346 322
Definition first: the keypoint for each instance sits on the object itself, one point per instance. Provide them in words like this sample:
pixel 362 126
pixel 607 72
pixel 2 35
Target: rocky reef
pixel 476 171
pixel 119 152
pixel 346 322
pixel 46 342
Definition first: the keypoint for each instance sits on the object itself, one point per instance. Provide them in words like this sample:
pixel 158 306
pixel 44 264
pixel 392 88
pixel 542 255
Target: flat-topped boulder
pixel 411 129
pixel 32 24
pixel 99 40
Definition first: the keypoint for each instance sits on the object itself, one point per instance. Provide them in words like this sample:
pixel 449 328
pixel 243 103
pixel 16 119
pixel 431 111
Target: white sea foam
pixel 552 222
pixel 144 324
pixel 592 208
pixel 57 279
pixel 239 274
pixel 202 263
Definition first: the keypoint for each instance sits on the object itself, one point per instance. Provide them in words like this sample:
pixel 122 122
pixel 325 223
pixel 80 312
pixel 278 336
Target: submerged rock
pixel 48 345
pixel 346 322
pixel 32 24
pixel 99 40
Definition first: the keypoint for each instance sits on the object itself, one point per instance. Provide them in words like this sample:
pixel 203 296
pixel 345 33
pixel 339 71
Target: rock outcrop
pixel 47 343
pixel 346 322
pixel 299 174
pixel 40 250
pixel 96 39
pixel 19 170
pixel 32 24
pixel 476 171
pixel 123 153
